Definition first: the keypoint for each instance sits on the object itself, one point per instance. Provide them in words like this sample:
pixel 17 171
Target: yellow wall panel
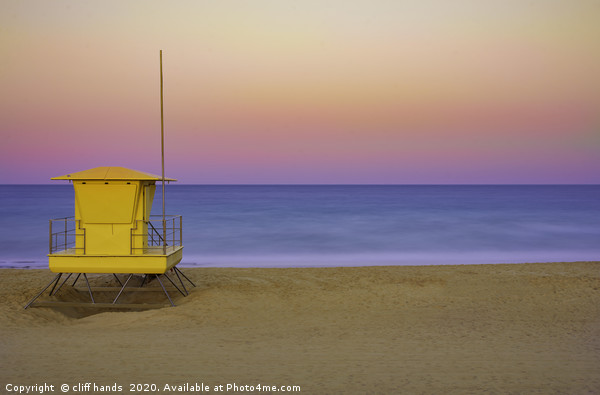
pixel 106 203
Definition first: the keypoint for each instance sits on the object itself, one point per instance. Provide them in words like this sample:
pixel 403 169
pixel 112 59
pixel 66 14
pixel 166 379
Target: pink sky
pixel 428 91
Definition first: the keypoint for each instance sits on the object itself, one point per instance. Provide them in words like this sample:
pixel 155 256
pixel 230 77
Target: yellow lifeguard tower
pixel 113 231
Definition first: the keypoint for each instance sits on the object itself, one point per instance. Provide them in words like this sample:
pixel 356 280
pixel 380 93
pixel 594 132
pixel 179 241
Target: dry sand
pixel 526 328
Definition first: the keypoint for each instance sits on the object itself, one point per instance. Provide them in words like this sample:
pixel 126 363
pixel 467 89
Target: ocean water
pixel 341 225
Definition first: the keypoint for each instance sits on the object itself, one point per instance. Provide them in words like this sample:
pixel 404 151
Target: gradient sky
pixel 403 92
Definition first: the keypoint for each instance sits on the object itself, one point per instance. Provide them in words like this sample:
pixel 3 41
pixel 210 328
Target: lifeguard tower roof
pixel 111 173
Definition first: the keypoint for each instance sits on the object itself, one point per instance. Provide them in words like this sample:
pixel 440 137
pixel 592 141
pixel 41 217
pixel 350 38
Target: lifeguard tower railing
pixel 66 235
pixel 63 236
pixel 156 236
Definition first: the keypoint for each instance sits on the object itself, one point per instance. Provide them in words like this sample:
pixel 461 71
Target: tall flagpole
pixel 162 155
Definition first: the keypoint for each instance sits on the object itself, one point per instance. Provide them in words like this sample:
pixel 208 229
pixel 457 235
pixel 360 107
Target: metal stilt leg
pixel 121 291
pixel 182 284
pixel 186 277
pixel 54 286
pixel 89 288
pixel 164 289
pixel 117 278
pixel 175 285
pixel 76 278
pixel 61 284
pixel 54 280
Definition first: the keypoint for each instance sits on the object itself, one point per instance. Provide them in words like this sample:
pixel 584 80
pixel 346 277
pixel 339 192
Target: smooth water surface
pixel 341 225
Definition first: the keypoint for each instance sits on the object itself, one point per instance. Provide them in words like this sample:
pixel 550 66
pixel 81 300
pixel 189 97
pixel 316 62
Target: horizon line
pixel 339 184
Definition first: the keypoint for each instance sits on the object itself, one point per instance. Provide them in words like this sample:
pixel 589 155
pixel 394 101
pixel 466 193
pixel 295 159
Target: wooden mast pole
pixel 162 155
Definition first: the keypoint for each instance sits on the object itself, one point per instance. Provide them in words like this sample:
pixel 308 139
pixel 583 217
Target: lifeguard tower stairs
pixel 113 232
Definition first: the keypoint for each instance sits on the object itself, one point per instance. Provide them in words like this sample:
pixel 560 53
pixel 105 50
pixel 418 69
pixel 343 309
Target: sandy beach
pixel 518 328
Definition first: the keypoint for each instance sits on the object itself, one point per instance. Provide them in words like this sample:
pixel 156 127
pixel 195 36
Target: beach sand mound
pixel 526 328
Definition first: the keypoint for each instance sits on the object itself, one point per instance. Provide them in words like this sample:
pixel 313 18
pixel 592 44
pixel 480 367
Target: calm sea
pixel 341 225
